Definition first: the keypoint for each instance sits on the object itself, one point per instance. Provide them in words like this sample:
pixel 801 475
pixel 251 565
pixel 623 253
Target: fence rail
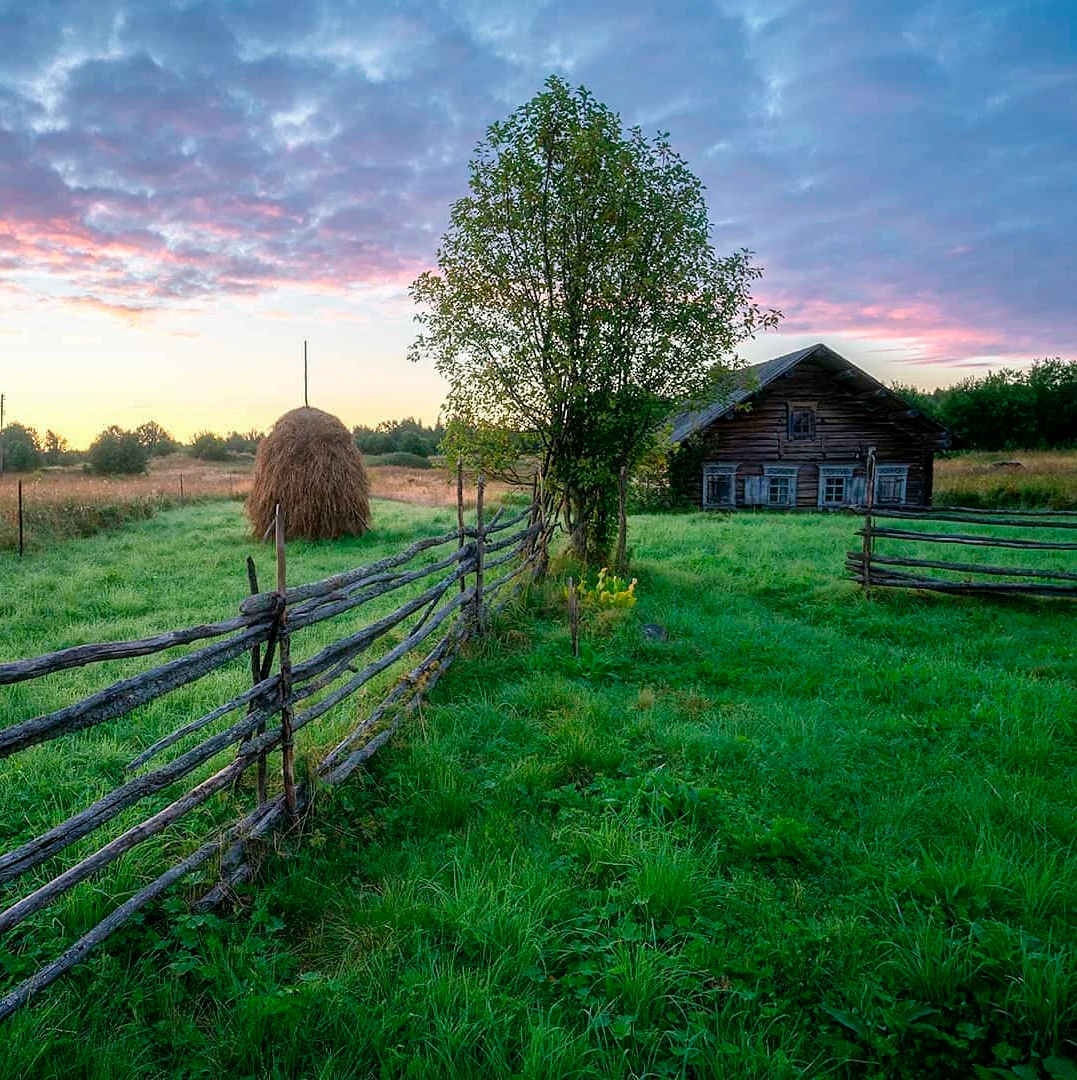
pixel 448 610
pixel 871 568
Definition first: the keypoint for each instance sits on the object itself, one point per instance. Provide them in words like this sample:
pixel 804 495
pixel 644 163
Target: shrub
pixel 22 448
pixel 398 457
pixel 116 451
pixel 209 447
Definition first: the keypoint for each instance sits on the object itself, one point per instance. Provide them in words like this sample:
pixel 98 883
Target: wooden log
pixel 86 821
pixel 866 532
pixel 49 973
pixel 971 588
pixel 966 568
pixel 287 741
pixel 127 840
pixel 1005 522
pixel 123 696
pixel 377 666
pixel 407 684
pixel 460 510
pixel 259 691
pixel 574 617
pixel 1023 513
pixel 36 850
pixel 976 541
pixel 332 770
pixel 480 544
pixel 327 608
pixel 81 655
pixel 267 602
pixel 620 556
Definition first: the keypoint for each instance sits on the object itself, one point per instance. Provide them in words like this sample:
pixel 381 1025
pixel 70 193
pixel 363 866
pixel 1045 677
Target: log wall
pixel 847 422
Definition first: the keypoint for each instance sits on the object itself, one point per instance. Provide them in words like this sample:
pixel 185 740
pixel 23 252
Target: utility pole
pixel 306 403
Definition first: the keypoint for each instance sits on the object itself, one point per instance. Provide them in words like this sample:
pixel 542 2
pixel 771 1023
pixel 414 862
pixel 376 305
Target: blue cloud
pixel 895 164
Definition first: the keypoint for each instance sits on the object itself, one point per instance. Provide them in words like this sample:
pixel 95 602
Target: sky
pixel 190 190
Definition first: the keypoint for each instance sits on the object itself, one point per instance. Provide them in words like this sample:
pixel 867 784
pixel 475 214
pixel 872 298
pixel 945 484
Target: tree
pixel 57 448
pixel 578 301
pixel 117 451
pixel 157 441
pixel 22 448
pixel 209 447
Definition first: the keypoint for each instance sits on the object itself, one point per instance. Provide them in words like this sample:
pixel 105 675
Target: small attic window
pixel 801 421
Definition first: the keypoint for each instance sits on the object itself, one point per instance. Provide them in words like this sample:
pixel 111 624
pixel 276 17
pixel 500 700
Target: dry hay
pixel 310 465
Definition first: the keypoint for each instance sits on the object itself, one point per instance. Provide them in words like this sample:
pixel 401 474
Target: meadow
pixel 797 833
pixel 1014 479
pixel 64 503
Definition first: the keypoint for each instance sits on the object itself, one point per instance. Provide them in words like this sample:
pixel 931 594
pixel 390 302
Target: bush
pixel 399 457
pixel 209 447
pixel 157 441
pixel 22 448
pixel 116 451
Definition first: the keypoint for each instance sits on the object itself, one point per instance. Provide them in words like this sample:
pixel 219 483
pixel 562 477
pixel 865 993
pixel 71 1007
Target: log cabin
pixel 795 434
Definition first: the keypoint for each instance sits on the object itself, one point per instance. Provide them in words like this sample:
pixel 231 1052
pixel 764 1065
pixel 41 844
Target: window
pixel 891 483
pixel 836 486
pixel 780 485
pixel 719 486
pixel 801 424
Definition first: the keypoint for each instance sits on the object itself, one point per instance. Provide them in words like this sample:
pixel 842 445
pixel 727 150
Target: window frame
pixel 780 472
pixel 721 469
pixel 829 472
pixel 794 407
pixel 889 471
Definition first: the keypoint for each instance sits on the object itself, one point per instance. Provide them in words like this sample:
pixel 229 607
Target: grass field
pixel 806 834
pixel 65 503
pixel 1016 478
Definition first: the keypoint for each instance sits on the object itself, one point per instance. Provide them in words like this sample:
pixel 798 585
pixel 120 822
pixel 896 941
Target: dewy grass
pixel 807 834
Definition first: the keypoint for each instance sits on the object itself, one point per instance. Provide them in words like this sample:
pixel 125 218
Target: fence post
pixel 20 519
pixel 460 512
pixel 869 501
pixel 287 746
pixel 620 558
pixel 480 544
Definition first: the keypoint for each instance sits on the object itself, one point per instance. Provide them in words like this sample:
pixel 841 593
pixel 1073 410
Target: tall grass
pixel 805 834
pixel 1017 479
pixel 63 504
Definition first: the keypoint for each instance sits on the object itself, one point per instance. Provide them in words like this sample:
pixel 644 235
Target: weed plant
pixel 807 834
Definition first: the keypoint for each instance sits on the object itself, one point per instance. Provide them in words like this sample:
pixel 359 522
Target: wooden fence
pixel 1040 531
pixel 509 548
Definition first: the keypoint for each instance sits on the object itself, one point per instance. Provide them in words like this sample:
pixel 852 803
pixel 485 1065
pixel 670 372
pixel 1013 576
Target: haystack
pixel 310 465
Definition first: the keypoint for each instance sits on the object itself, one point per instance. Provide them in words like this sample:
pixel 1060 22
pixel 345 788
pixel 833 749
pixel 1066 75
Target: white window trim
pixel 720 468
pixel 893 470
pixel 845 471
pixel 789 471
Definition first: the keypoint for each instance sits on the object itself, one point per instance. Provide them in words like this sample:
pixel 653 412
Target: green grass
pixel 1039 479
pixel 808 834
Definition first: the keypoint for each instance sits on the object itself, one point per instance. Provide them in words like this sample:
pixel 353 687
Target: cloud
pixel 902 168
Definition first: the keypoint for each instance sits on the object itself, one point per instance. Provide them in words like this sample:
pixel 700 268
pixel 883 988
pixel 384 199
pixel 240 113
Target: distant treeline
pixel 407 436
pixel 116 450
pixel 1007 410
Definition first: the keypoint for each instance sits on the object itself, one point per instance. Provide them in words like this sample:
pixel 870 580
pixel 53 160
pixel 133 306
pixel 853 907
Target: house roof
pixel 755 378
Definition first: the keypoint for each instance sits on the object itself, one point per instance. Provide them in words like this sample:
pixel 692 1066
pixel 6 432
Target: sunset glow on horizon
pixel 189 191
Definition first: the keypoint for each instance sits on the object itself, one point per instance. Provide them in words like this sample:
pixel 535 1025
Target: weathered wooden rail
pixel 485 564
pixel 871 568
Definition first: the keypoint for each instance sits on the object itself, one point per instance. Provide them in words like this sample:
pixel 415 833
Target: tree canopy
pixel 578 301
pixel 1008 409
pixel 22 451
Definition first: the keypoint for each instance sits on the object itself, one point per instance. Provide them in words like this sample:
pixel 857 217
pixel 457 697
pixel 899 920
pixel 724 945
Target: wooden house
pixel 795 434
